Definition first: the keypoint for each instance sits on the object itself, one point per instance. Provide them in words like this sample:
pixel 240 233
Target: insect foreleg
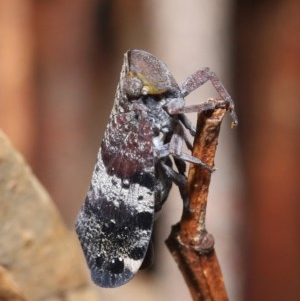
pixel 196 80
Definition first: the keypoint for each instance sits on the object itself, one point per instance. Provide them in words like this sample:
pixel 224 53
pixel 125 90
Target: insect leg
pixel 187 123
pixel 174 148
pixel 196 80
pixel 179 179
pixel 200 77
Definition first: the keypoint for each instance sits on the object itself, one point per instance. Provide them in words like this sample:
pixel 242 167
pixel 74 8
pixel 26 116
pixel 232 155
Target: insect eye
pixel 132 86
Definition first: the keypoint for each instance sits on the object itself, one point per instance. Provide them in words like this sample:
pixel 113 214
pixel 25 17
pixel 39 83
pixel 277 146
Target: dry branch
pixel 189 242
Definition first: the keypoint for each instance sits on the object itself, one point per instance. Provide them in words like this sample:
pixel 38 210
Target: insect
pixel 134 171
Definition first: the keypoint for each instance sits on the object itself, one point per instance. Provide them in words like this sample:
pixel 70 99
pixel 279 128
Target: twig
pixel 189 242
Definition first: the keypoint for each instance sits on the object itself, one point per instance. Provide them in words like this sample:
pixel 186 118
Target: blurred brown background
pixel 59 67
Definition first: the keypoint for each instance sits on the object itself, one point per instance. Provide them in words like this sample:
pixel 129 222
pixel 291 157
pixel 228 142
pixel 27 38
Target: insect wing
pixel 114 225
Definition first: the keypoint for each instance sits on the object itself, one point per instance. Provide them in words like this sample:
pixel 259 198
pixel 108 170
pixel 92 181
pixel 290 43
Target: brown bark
pixel 189 242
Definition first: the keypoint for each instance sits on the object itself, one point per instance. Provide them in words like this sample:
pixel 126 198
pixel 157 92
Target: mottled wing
pixel 114 225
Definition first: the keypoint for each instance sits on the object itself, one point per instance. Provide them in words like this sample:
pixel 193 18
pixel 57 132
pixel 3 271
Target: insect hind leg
pixel 179 179
pixel 187 123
